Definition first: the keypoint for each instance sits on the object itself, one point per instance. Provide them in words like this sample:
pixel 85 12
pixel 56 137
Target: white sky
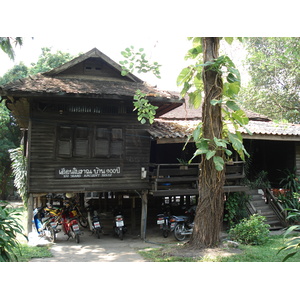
pixel 167 51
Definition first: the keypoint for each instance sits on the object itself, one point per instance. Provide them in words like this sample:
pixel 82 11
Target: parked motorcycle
pixel 94 221
pixel 184 224
pixel 119 225
pixel 69 222
pixel 163 220
pixel 46 226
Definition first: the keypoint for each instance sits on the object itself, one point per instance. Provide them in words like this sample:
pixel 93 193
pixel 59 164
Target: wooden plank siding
pixel 297 157
pixel 44 159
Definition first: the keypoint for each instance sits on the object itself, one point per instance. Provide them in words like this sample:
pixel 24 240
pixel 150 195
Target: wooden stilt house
pixel 80 131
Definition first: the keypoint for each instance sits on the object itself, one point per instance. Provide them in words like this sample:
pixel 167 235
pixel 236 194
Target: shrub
pixel 235 208
pixel 9 228
pixel 252 231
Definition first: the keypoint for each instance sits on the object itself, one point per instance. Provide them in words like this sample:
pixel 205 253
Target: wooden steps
pixel 262 208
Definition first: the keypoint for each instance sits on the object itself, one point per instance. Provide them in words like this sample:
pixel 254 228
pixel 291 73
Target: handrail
pixel 276 206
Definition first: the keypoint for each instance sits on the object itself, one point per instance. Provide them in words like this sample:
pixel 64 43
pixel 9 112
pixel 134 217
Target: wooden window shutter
pixel 101 142
pixel 81 141
pixel 65 141
pixel 116 142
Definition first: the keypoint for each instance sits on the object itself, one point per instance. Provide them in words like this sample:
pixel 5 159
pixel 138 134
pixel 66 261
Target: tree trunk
pixel 209 212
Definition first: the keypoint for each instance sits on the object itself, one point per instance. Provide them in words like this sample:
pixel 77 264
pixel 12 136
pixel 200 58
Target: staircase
pixel 259 206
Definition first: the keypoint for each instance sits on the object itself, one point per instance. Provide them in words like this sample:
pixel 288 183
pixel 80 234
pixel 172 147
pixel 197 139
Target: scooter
pixel 94 221
pixel 119 225
pixel 45 225
pixel 184 224
pixel 69 223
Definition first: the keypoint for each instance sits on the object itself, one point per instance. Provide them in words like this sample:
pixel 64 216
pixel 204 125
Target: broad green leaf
pixel 197 132
pixel 220 142
pixel 241 117
pixel 232 105
pixel 219 163
pixel 184 76
pixel 229 40
pixel 210 154
pixel 215 102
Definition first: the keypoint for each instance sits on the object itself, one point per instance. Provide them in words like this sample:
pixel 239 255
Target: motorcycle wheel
pixel 77 238
pixel 83 221
pixel 98 233
pixel 121 235
pixel 178 232
pixel 165 232
pixel 52 237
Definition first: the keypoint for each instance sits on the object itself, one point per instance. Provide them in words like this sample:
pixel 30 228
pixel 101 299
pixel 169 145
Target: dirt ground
pixel 110 249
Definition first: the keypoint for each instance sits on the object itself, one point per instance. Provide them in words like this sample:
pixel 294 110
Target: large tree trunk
pixel 209 213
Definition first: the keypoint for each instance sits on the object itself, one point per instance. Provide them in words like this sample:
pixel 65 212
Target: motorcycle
pixel 46 226
pixel 164 222
pixel 94 221
pixel 119 225
pixel 69 223
pixel 184 224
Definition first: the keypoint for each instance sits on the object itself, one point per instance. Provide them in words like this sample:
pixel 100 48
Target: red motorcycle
pixel 69 223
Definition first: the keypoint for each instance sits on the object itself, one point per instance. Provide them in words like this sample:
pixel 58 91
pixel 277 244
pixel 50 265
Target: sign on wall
pixel 88 172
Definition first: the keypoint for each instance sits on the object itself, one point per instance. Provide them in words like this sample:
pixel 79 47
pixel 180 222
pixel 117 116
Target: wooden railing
pixel 177 179
pixel 277 207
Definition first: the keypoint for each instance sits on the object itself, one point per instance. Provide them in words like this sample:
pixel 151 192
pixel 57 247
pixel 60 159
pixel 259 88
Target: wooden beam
pixel 144 214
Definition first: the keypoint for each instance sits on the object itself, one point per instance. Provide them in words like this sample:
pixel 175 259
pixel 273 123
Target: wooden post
pixel 29 214
pixel 144 215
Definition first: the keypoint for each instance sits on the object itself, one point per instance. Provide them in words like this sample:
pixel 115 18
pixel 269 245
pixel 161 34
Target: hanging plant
pixel 19 166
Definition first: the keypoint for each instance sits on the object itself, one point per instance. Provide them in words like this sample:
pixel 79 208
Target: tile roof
pixel 170 129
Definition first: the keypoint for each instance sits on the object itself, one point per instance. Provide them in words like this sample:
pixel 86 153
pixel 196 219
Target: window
pixel 65 141
pixel 75 141
pixel 108 142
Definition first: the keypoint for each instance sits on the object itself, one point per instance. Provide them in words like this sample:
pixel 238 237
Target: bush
pixel 9 228
pixel 252 231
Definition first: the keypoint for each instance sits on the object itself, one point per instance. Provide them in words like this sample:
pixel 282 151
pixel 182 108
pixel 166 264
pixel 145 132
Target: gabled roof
pixel 92 75
pixel 94 53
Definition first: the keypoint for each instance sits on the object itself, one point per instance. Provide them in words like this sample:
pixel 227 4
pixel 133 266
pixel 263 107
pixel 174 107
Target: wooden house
pixel 80 130
pixel 82 136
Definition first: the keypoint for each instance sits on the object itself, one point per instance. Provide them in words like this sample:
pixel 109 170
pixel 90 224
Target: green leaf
pixel 232 105
pixel 219 163
pixel 229 40
pixel 184 76
pixel 210 154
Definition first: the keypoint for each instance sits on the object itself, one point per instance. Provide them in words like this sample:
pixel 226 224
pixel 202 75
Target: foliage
pixel 235 208
pixel 137 61
pixel 251 231
pixel 7 47
pixel 192 84
pixel 144 109
pixel 260 181
pixel 17 72
pixel 273 64
pixel 290 182
pixel 294 242
pixel 9 228
pixel 48 61
pixel 9 138
pixel 19 166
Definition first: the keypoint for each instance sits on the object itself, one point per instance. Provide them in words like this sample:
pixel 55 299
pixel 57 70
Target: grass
pixel 263 253
pixel 26 252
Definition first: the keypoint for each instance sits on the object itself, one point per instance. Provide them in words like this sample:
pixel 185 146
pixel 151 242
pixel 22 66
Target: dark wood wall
pixel 45 160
